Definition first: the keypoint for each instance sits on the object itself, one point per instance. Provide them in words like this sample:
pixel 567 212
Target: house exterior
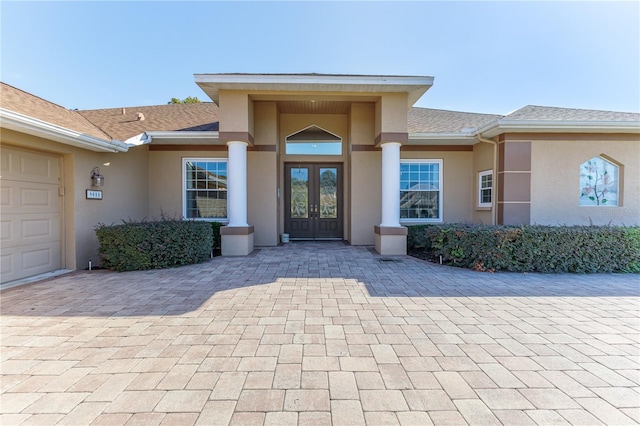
pixel 343 157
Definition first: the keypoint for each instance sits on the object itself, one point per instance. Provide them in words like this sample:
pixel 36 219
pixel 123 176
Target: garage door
pixel 30 225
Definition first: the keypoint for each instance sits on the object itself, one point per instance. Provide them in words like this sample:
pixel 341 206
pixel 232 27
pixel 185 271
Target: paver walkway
pixel 321 333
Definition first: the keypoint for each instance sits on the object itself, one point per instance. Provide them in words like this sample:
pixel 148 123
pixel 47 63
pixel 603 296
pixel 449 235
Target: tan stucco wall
pixel 235 111
pixel 362 122
pixel 391 113
pixel 165 179
pixel 457 182
pixel 366 199
pixel 482 161
pixel 262 197
pixel 262 176
pixel 366 176
pixel 555 187
pixel 125 192
pixel 266 123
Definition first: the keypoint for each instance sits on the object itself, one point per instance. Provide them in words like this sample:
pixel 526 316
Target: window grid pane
pixel 485 196
pixel 420 190
pixel 206 189
pixel 486 189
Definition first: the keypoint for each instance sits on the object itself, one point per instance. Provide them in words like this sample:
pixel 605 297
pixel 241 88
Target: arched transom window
pixel 313 140
pixel 598 183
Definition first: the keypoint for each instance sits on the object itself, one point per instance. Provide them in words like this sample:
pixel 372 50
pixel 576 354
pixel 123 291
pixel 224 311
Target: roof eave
pixel 450 138
pixel 548 126
pixel 35 127
pixel 414 86
pixel 179 136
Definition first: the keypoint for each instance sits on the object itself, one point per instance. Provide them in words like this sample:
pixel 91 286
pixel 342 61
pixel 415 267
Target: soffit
pixel 313 107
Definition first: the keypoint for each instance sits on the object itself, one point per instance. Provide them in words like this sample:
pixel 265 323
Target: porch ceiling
pixel 314 107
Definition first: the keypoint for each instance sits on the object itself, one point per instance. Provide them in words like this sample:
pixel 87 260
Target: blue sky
pixel 490 57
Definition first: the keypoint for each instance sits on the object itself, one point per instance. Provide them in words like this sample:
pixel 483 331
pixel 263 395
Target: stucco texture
pixel 555 182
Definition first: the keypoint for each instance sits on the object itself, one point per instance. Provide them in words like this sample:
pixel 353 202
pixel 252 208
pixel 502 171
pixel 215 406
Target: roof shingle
pixel 543 113
pixel 25 103
pixel 425 120
pixel 201 116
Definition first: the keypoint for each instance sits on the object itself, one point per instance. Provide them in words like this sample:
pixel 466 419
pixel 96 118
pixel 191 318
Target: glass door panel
pixel 328 193
pixel 299 191
pixel 312 204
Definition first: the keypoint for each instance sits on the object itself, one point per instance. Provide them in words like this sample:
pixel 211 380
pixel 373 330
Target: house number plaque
pixel 94 194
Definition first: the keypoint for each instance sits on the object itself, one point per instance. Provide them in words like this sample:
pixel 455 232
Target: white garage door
pixel 30 229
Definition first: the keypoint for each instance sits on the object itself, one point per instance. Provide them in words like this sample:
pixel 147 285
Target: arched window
pixel 313 140
pixel 598 183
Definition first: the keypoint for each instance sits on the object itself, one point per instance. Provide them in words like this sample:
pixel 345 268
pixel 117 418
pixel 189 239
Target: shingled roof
pixel 21 102
pixel 426 120
pixel 543 113
pixel 123 123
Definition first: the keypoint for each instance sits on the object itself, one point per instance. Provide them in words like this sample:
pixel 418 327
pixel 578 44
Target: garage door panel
pixel 18 230
pixel 42 228
pixel 7 234
pixel 6 161
pixel 30 166
pixel 37 259
pixel 29 197
pixel 31 223
pixel 45 169
pixel 6 196
pixel 36 198
pixel 20 262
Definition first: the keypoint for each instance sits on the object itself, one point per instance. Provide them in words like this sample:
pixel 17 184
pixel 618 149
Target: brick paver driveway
pixel 321 334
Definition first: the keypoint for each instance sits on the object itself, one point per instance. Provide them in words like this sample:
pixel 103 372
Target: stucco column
pixel 237 184
pixel 390 237
pixel 390 184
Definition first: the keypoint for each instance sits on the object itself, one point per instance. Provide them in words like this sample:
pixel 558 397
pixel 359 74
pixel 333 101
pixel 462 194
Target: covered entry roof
pixel 414 86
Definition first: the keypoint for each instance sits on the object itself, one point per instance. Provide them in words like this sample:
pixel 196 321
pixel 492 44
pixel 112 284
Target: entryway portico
pixel 366 114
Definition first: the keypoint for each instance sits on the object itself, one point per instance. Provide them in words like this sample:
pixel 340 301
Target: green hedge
pixel 160 244
pixel 576 249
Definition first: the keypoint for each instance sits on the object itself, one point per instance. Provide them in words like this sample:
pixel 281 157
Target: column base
pixel 391 240
pixel 236 240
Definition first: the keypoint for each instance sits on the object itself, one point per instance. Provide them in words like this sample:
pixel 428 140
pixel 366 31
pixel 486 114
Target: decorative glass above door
pixel 313 141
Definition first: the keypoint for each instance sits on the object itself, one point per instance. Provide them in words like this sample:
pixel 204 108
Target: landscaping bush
pixel 154 245
pixel 576 249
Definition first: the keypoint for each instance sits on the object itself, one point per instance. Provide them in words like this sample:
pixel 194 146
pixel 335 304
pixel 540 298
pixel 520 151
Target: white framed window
pixel 485 188
pixel 204 188
pixel 421 190
pixel 599 183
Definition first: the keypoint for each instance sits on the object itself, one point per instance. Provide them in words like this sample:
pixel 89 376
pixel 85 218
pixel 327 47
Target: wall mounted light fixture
pixel 96 178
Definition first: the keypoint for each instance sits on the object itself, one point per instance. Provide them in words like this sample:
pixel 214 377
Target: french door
pixel 313 201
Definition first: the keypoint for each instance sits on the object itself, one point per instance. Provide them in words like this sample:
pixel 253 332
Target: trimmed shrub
pixel 552 249
pixel 135 246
